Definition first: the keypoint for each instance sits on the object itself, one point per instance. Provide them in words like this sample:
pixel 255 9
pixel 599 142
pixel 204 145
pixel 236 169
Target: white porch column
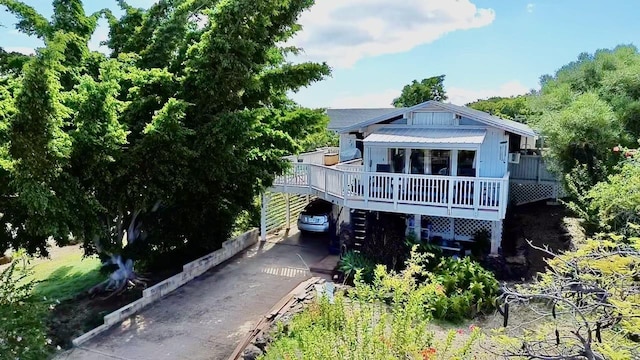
pixel 263 216
pixel 496 236
pixel 287 198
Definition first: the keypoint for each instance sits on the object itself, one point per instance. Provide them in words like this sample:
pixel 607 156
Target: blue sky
pixel 484 47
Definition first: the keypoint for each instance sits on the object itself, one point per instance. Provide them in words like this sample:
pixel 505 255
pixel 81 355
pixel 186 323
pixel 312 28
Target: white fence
pixel 406 189
pixel 276 212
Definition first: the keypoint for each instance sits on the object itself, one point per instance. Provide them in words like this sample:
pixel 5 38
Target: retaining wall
pixel 189 272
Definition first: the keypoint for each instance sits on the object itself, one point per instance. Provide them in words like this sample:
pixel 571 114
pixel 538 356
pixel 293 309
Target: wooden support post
pixel 452 228
pixel 395 181
pixel 450 191
pixel 477 190
pixel 263 217
pixel 287 198
pixel 496 236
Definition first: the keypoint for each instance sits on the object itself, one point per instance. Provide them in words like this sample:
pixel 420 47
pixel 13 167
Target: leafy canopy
pixel 512 108
pixel 167 140
pixel 418 92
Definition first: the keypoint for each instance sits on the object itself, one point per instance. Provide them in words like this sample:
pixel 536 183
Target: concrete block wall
pixel 189 272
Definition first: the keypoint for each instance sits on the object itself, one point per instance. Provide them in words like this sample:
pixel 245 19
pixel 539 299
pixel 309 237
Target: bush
pixel 352 262
pixel 586 304
pixel 455 290
pixel 366 329
pixel 468 288
pixel 22 327
pixel 616 201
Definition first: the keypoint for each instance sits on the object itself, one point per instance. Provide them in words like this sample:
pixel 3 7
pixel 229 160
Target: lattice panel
pixel 440 225
pixel 467 228
pixel 524 193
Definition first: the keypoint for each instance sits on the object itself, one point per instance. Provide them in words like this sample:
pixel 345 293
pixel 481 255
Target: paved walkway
pixel 208 317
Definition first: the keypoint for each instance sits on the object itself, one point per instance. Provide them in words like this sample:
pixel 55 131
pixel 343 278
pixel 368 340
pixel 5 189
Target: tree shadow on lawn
pixel 66 282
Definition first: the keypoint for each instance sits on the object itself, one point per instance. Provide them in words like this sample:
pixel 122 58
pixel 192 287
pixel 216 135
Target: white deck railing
pixel 452 192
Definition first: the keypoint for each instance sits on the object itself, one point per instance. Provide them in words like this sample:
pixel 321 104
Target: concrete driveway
pixel 208 317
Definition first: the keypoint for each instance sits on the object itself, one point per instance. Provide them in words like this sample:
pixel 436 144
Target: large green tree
pixel 588 107
pixel 512 108
pixel 152 152
pixel 420 91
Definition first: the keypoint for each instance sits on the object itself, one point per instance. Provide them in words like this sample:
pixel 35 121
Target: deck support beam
pixel 496 236
pixel 287 198
pixel 264 203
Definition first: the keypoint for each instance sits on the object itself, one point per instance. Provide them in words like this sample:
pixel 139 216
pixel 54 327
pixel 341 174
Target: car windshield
pixel 318 207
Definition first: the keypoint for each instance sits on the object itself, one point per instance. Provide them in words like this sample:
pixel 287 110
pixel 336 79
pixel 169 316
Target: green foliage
pixel 481 243
pixel 584 132
pixel 169 139
pixel 23 333
pixel 365 329
pixel 468 287
pixel 512 108
pixel 616 201
pixel 320 138
pixel 11 63
pixel 588 107
pixel 453 291
pixel 353 262
pixel 586 303
pixel 430 254
pixel 418 92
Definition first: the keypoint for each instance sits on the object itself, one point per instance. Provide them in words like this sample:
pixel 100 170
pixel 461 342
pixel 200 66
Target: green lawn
pixel 66 274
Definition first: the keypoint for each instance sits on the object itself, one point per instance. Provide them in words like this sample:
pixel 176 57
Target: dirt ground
pixel 544 225
pixel 73 317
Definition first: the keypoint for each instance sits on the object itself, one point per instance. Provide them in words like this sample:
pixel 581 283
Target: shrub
pixel 586 304
pixel 365 329
pixel 22 327
pixel 352 262
pixel 433 252
pixel 481 243
pixel 468 286
pixel 455 290
pixel 616 201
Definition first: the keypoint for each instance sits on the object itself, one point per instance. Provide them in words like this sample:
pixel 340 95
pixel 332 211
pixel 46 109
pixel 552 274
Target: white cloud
pixel 463 96
pixel 371 100
pixel 457 95
pixel 20 49
pixel 345 31
pixel 530 7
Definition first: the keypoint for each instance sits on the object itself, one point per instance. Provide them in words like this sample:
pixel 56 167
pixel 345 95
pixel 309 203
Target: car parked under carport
pixel 316 217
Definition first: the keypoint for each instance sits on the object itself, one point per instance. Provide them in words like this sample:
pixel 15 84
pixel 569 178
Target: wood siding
pixel 433 118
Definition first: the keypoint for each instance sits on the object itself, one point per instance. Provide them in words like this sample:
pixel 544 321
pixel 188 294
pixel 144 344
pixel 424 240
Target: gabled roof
pixel 342 118
pixel 480 116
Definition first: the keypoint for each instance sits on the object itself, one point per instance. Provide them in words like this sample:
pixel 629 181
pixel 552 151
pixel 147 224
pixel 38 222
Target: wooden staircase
pixel 359 223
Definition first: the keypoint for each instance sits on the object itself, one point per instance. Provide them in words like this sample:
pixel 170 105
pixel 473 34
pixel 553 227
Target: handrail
pixel 474 193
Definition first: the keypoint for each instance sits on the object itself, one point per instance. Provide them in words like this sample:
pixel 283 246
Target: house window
pixel 418 161
pixel 397 158
pixel 503 151
pixel 440 162
pixel 467 163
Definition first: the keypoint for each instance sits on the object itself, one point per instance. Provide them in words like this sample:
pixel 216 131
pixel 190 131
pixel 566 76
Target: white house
pixel 445 166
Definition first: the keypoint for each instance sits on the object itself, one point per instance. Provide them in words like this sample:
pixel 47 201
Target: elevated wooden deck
pixel 448 196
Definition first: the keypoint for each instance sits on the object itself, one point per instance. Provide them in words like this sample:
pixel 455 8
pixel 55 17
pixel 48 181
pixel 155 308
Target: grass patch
pixel 66 274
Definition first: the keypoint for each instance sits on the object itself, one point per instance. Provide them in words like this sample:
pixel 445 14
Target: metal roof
pixel 342 118
pixel 427 136
pixel 483 117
